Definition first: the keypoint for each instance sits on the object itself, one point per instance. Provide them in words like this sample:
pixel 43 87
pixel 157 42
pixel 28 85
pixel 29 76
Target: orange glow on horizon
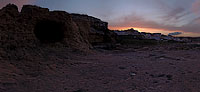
pixel 148 30
pixel 154 30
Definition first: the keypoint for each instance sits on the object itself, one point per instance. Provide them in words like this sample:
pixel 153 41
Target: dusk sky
pixel 164 16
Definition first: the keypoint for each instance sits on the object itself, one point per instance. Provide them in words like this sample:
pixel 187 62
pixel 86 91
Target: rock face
pixel 98 32
pixel 34 25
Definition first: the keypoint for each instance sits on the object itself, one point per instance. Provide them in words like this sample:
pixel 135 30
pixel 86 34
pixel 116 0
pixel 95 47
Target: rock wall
pixel 34 26
pixel 98 32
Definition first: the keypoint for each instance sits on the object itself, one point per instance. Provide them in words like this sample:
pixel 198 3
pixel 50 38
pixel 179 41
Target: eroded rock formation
pixel 98 33
pixel 35 25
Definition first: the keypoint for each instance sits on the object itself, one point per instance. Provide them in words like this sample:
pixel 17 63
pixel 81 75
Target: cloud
pixel 19 3
pixel 162 5
pixel 176 14
pixel 196 7
pixel 172 18
pixel 134 20
pixel 175 33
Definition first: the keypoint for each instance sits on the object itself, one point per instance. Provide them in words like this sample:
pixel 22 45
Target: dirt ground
pixel 166 68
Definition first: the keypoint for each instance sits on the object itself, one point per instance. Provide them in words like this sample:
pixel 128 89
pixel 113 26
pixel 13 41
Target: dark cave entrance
pixel 49 31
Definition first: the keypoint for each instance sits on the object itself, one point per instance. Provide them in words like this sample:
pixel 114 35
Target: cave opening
pixel 48 31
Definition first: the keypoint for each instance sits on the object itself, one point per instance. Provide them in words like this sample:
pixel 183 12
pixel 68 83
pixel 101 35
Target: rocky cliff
pixel 98 33
pixel 37 28
pixel 34 26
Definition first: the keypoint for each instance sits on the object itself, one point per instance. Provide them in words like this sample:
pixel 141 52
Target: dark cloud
pixel 175 33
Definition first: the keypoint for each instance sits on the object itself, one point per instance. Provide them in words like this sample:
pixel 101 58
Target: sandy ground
pixel 148 69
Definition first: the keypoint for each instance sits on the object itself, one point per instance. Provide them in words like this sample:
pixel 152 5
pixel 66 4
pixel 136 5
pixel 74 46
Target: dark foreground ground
pixel 166 68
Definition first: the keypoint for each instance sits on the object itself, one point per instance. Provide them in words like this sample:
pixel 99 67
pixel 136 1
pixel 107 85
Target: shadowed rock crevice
pixel 48 31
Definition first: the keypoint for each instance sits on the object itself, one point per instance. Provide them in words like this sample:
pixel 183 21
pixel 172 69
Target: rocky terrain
pixel 55 51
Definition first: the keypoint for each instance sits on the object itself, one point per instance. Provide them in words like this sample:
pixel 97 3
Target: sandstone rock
pixel 28 32
pixel 98 32
pixel 35 25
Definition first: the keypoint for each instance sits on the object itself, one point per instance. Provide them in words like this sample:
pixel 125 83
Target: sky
pixel 156 16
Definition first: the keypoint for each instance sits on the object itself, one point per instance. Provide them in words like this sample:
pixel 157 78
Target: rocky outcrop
pixel 34 26
pixel 98 31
